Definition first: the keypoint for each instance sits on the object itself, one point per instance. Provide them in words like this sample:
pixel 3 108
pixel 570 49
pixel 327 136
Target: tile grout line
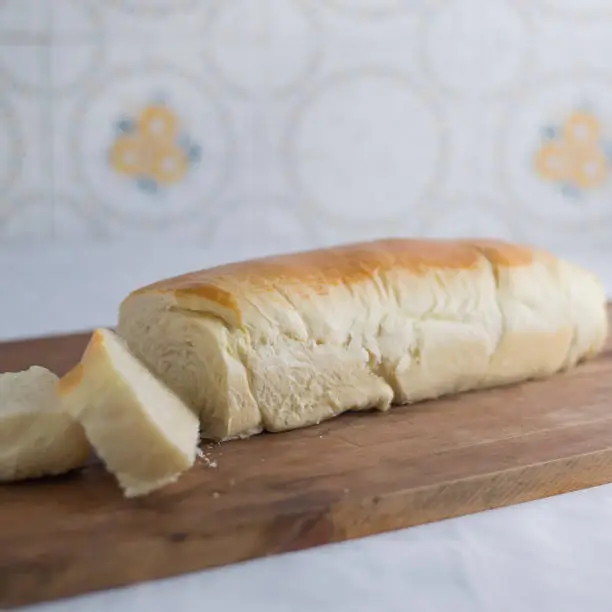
pixel 47 116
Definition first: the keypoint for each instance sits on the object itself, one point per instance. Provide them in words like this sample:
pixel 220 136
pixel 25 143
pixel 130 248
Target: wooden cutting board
pixel 356 475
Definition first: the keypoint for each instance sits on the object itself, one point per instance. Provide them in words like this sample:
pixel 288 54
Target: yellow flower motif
pixel 169 164
pixel 590 169
pixel 582 130
pixel 552 161
pixel 158 123
pixel 577 157
pixel 153 149
pixel 128 156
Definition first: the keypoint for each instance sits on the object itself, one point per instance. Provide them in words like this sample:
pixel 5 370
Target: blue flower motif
pixel 569 190
pixel 192 150
pixel 550 132
pixel 125 126
pixel 148 185
pixel 606 145
pixel 195 153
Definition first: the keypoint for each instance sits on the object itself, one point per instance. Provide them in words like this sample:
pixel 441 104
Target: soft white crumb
pixel 199 452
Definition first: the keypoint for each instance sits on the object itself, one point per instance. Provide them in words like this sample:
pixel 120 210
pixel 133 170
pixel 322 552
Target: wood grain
pixel 356 475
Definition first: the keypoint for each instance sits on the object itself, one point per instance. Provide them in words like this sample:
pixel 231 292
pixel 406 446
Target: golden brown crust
pixel 505 254
pixel 323 268
pixel 70 380
pixel 96 342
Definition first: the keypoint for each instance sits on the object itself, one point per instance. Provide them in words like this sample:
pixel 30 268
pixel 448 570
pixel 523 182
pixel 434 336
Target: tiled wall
pixel 287 123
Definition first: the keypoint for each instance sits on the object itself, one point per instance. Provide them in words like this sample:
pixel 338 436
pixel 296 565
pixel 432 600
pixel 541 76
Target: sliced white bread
pixel 142 431
pixel 291 340
pixel 37 438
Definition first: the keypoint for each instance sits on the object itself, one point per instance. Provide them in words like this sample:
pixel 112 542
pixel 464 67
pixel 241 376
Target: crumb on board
pixel 206 460
pixel 216 494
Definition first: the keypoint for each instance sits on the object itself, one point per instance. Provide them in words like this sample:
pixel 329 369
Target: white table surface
pixel 553 554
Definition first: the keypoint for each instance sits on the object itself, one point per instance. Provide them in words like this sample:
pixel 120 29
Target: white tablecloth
pixel 553 554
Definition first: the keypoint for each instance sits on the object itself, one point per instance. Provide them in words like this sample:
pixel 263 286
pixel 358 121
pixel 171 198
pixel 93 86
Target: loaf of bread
pixel 288 341
pixel 37 438
pixel 142 431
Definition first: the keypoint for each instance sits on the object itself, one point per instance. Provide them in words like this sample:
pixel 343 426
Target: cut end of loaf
pixel 32 390
pixel 37 438
pixel 143 432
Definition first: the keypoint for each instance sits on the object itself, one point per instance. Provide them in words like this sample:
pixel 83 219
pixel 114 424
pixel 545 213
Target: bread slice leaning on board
pixel 37 437
pixel 288 341
pixel 143 432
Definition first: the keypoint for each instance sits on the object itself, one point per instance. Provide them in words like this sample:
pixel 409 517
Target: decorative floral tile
pixel 145 146
pixel 555 160
pixel 362 117
pixel 153 149
pixel 575 156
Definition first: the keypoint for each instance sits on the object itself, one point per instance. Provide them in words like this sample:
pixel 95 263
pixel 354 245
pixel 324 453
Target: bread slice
pixel 36 437
pixel 288 341
pixel 142 431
